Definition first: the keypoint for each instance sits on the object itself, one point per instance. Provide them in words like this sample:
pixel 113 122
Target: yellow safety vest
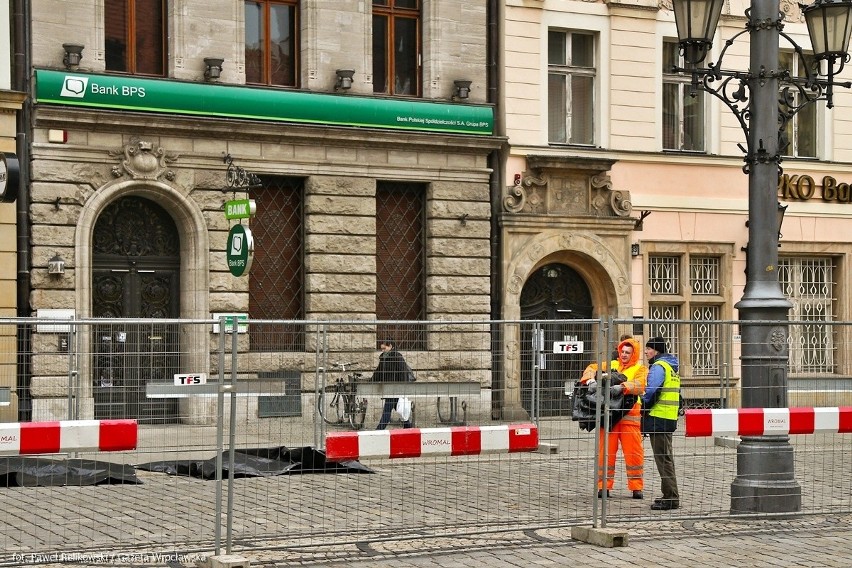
pixel 668 403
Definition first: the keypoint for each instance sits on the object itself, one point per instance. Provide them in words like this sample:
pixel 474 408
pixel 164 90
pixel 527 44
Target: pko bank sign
pixel 170 96
pixel 78 87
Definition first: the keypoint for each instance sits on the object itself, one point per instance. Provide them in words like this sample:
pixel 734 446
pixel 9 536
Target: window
pixel 272 42
pixel 809 285
pixel 683 107
pixel 571 87
pixel 276 288
pixel 800 133
pixel 135 36
pixel 400 264
pixel 396 47
pixel 688 286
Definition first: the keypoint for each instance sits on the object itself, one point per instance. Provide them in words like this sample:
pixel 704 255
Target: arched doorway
pixel 135 274
pixel 554 292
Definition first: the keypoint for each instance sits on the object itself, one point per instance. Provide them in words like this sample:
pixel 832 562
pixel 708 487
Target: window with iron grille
pixel 276 279
pixel 683 106
pixel 400 263
pixel 571 87
pixel 698 344
pixel 664 274
pixel 801 131
pixel 271 42
pixel 396 47
pixel 808 283
pixel 135 36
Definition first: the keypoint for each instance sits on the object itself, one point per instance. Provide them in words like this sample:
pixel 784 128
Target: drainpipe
pixel 495 162
pixel 22 64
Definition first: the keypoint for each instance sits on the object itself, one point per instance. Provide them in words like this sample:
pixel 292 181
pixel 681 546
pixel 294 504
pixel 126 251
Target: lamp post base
pixel 765 482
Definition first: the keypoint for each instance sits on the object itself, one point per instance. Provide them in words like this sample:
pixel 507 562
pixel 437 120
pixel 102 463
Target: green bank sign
pixel 177 97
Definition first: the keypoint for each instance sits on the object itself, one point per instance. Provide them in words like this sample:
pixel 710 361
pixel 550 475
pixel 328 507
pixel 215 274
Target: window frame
pixel 278 337
pixel 685 299
pixel 794 129
pixel 131 38
pixel 803 354
pixel 409 336
pixel 684 90
pixel 567 72
pixel 266 49
pixel 389 10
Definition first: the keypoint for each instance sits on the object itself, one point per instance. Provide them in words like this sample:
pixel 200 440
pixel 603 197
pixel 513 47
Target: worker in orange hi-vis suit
pixel 626 431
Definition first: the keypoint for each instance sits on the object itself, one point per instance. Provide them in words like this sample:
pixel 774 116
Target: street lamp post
pixel 764 100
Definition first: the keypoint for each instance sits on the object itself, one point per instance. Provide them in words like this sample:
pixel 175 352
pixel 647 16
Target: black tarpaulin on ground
pixel 259 462
pixel 21 471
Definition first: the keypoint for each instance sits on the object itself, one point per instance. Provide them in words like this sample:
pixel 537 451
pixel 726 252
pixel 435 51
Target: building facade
pixel 362 131
pixel 625 194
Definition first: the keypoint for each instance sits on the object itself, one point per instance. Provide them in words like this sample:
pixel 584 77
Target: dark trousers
pixel 390 405
pixel 661 444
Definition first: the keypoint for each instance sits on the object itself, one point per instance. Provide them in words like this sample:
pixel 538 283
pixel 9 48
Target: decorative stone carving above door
pixel 567 186
pixel 142 161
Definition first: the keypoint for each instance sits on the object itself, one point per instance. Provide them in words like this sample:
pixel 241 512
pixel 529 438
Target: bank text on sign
pixel 240 209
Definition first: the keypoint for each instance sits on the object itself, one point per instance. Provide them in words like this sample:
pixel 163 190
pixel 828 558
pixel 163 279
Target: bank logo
pixel 74 87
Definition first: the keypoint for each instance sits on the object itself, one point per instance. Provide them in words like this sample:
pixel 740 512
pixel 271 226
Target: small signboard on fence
pixel 241 320
pixel 567 347
pixel 190 378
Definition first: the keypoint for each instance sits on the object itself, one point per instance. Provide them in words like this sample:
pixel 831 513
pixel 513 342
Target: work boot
pixel 638 495
pixel 665 505
pixel 600 493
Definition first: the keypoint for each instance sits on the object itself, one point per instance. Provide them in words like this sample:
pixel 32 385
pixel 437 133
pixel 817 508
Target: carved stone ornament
pixel 518 195
pixel 567 186
pixel 140 160
pixel 605 199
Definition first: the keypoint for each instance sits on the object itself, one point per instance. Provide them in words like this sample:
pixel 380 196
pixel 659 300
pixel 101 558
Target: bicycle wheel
pixel 358 413
pixel 328 409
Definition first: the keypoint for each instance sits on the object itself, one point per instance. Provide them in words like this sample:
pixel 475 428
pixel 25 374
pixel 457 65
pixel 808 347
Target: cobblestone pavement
pixel 458 511
pixel 805 541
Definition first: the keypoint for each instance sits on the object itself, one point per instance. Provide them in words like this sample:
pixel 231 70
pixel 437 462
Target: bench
pixel 417 389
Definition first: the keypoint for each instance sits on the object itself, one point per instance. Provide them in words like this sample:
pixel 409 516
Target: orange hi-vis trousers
pixel 628 433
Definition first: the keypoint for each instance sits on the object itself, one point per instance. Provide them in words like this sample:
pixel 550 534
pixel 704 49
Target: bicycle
pixel 344 405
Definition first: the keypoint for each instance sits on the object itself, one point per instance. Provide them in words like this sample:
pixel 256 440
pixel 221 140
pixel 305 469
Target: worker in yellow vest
pixel 660 404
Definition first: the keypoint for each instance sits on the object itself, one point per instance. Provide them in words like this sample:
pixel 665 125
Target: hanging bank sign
pixel 804 188
pixel 234 101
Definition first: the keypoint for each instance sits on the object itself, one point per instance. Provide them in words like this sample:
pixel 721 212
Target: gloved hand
pixel 616 390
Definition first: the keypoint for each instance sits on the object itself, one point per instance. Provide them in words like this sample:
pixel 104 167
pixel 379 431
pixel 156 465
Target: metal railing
pixel 245 444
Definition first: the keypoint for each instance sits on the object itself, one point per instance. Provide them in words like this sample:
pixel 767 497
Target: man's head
pixel 386 344
pixel 625 353
pixel 655 346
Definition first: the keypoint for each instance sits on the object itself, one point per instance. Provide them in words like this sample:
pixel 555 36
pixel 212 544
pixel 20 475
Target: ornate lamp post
pixel 764 99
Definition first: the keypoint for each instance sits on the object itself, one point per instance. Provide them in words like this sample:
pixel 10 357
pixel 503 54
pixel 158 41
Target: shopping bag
pixel 403 408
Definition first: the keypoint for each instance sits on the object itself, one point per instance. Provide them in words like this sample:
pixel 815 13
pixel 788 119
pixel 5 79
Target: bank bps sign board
pixel 236 101
pixel 240 250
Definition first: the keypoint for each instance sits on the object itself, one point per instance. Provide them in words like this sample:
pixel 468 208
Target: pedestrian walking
pixel 392 368
pixel 661 403
pixel 628 377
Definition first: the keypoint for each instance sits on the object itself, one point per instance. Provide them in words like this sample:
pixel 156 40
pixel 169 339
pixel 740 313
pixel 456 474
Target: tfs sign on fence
pixel 567 346
pixel 190 379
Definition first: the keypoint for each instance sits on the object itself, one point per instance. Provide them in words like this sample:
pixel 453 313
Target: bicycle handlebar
pixel 341 366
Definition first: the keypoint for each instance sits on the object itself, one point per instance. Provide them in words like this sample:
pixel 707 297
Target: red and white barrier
pixel 417 442
pixel 25 438
pixel 768 421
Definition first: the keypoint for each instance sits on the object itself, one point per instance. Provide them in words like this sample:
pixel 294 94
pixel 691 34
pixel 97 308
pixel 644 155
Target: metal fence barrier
pixel 222 404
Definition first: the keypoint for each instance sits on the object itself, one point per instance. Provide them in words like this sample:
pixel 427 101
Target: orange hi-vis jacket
pixel 636 373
